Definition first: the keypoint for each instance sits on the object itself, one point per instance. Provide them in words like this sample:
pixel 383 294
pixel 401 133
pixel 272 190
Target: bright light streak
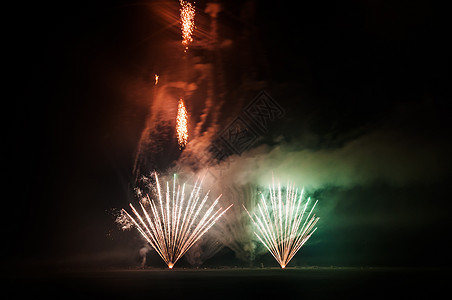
pixel 278 220
pixel 182 124
pixel 156 77
pixel 187 17
pixel 173 223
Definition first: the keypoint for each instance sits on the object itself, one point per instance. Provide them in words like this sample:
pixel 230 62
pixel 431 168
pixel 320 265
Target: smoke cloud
pixel 390 157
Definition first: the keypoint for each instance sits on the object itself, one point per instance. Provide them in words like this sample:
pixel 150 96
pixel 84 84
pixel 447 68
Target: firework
pixel 174 222
pixel 187 16
pixel 279 222
pixel 181 125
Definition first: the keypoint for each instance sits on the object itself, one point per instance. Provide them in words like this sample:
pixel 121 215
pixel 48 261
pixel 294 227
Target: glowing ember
pixel 181 125
pixel 156 79
pixel 278 220
pixel 173 223
pixel 187 16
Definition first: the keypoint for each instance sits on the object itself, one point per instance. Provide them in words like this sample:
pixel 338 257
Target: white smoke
pixel 391 157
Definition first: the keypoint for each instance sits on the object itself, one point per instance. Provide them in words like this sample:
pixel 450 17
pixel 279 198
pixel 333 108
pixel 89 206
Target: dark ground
pixel 296 283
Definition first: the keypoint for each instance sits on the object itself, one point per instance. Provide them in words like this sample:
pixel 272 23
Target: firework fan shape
pixel 279 222
pixel 176 221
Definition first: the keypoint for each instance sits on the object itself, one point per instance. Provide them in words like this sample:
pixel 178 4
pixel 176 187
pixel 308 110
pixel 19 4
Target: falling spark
pixel 174 222
pixel 279 222
pixel 181 125
pixel 187 16
pixel 156 79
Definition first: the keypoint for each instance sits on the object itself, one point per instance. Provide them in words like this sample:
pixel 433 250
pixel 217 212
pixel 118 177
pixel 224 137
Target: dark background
pixel 71 133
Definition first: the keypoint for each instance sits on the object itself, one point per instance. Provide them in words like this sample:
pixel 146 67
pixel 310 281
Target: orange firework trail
pixel 174 223
pixel 279 223
pixel 182 124
pixel 187 17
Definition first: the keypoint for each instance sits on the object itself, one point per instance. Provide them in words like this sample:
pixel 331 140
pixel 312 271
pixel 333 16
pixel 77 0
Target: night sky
pixel 365 88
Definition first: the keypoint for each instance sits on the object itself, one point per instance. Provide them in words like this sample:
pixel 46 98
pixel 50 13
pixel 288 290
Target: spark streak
pixel 173 223
pixel 187 16
pixel 278 220
pixel 182 124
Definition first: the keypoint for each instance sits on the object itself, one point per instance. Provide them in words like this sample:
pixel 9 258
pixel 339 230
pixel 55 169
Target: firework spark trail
pixel 187 17
pixel 182 124
pixel 278 221
pixel 174 224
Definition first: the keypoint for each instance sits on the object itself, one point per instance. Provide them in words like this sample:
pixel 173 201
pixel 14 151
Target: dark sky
pixel 341 70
